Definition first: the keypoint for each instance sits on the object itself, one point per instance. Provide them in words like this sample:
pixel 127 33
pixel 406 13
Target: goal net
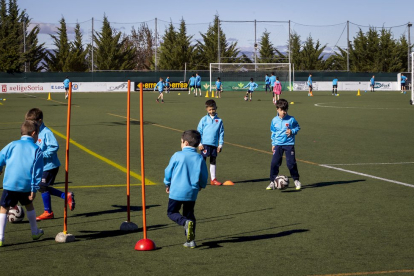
pixel 412 77
pixel 234 76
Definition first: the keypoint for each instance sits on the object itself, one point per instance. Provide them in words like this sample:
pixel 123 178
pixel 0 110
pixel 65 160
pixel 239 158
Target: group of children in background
pixel 31 166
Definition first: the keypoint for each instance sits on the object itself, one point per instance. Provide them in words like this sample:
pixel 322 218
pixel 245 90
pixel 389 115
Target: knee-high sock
pixel 56 192
pixel 47 202
pixel 3 221
pixel 213 171
pixel 31 215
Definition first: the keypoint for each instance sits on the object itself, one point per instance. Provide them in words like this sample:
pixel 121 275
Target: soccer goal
pixel 234 76
pixel 412 78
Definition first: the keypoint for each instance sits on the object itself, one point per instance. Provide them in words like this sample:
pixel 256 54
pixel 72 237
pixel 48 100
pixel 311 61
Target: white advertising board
pixel 58 87
pixel 345 86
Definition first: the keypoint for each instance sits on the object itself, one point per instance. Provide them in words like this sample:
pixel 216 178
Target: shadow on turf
pixel 330 183
pixel 252 180
pixel 217 244
pixel 120 209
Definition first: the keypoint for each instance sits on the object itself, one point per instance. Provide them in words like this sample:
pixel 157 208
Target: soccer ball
pixel 246 98
pixel 281 182
pixel 16 214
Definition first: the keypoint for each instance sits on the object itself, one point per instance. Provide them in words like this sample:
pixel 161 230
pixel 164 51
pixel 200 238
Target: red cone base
pixel 145 245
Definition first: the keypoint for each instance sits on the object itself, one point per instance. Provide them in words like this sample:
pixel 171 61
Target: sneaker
pixel 71 201
pixel 66 97
pixel 157 101
pixel 190 244
pixel 45 215
pixel 215 182
pixel 271 186
pixel 37 236
pixel 298 185
pixel 189 230
pixel 162 101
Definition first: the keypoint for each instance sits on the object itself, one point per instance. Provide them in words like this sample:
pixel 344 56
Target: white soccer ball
pixel 16 214
pixel 281 182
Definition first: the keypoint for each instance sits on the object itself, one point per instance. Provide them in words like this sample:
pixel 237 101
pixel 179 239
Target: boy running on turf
pixel 284 129
pixel 49 146
pixel 160 86
pixel 66 85
pixel 335 87
pixel 24 165
pixel 191 85
pixel 219 87
pixel 212 138
pixel 185 176
pixel 310 93
pixel 252 86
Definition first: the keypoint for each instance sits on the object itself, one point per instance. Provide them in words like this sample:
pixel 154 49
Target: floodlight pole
pixel 255 47
pixel 347 48
pixel 218 42
pixel 24 42
pixel 92 46
pixel 409 47
pixel 156 44
pixel 289 42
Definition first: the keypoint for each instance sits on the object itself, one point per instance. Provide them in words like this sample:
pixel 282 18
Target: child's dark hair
pixel 34 114
pixel 211 103
pixel 192 75
pixel 218 78
pixel 193 137
pixel 273 73
pixel 251 79
pixel 28 127
pixel 277 78
pixel 282 104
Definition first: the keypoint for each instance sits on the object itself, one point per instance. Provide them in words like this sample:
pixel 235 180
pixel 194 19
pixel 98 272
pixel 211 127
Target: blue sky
pixel 125 14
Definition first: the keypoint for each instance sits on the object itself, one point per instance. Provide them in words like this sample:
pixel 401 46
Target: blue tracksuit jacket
pixel 278 129
pixel 186 174
pixel 211 130
pixel 24 165
pixel 49 146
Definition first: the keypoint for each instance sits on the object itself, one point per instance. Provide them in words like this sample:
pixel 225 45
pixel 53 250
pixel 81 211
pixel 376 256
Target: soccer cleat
pixel 189 230
pixel 45 215
pixel 66 97
pixel 271 186
pixel 215 182
pixel 298 185
pixel 71 201
pixel 37 236
pixel 190 244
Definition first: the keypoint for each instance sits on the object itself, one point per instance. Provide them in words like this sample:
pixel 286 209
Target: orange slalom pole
pixel 65 212
pixel 141 125
pixel 128 150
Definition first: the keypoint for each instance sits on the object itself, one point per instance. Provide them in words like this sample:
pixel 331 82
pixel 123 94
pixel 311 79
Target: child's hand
pixel 288 132
pixel 200 147
pixel 219 149
pixel 199 189
pixel 32 196
pixel 167 190
pixel 273 149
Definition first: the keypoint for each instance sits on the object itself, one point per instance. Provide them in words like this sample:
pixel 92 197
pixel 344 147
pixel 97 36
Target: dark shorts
pixel 67 89
pixel 48 177
pixel 198 85
pixel 402 84
pixel 11 198
pixel 335 86
pixel 218 89
pixel 209 151
pixel 192 86
pixel 372 85
pixel 250 91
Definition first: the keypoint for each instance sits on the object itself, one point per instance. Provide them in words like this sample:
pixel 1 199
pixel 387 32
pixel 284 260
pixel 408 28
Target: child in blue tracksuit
pixel 66 85
pixel 167 84
pixel 267 82
pixel 219 87
pixel 372 83
pixel 49 146
pixel 198 84
pixel 160 86
pixel 284 129
pixel 192 85
pixel 212 138
pixel 335 87
pixel 24 166
pixel 272 81
pixel 185 176
pixel 252 86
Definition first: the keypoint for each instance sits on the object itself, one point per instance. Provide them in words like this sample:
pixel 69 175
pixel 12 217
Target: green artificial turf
pixel 340 222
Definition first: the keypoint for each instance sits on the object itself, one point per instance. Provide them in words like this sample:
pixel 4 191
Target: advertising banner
pixel 174 86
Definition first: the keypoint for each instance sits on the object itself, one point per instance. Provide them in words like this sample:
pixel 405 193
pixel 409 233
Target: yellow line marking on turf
pixel 1 103
pixel 236 145
pixel 102 186
pixel 369 273
pixel 104 159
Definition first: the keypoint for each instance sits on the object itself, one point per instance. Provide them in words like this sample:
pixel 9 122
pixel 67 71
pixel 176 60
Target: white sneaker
pixel 271 186
pixel 297 184
pixel 66 97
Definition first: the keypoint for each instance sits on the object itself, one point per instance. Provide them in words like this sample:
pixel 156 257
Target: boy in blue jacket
pixel 24 166
pixel 160 86
pixel 212 138
pixel 252 86
pixel 49 146
pixel 185 176
pixel 284 129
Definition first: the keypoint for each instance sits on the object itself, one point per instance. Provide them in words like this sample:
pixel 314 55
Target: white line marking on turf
pixel 368 175
pixel 359 164
pixel 364 107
